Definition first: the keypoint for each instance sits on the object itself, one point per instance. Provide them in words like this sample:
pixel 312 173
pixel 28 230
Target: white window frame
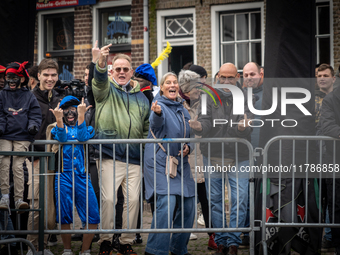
pixel 330 2
pixel 96 16
pixel 41 28
pixel 215 29
pixel 161 40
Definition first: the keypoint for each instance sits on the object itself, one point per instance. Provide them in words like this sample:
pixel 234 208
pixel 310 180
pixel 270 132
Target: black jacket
pixel 223 130
pixel 19 110
pixel 330 122
pixel 47 116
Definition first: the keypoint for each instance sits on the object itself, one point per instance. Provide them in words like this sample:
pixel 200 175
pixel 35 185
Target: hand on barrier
pixel 33 130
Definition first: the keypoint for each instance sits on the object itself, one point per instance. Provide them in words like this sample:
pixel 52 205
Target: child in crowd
pixel 70 116
pixel 20 120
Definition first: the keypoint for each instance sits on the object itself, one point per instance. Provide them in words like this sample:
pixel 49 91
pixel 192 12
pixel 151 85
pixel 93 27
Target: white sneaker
pixel 4 203
pixel 85 253
pixel 193 237
pixel 200 220
pixel 46 252
pixel 68 253
pixel 19 204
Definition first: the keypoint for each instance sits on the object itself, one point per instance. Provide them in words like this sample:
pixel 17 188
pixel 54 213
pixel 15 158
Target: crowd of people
pixel 121 103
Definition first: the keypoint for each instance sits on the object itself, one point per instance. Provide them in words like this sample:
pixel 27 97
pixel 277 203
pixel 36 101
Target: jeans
pixel 6 224
pixel 216 191
pixel 160 243
pixel 328 231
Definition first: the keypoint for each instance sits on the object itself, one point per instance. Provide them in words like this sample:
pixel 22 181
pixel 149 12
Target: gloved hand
pixel 1 132
pixel 33 130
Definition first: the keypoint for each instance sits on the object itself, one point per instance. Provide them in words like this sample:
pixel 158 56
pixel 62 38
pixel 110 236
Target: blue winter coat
pixel 19 110
pixel 168 125
pixel 80 133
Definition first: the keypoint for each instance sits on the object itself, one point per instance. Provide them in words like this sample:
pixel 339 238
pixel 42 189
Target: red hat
pixel 18 69
pixel 2 69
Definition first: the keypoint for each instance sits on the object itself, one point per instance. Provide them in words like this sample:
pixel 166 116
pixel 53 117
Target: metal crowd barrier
pixel 42 157
pixel 142 229
pixel 307 160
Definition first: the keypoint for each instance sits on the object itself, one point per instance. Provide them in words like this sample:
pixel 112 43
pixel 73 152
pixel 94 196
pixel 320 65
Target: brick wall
pixel 82 40
pixel 137 31
pixel 35 58
pixel 203 25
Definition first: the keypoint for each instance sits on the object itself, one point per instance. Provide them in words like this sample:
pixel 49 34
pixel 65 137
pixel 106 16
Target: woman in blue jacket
pixel 169 119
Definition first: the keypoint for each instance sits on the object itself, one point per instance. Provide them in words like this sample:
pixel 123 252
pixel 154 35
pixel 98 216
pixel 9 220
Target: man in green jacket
pixel 122 112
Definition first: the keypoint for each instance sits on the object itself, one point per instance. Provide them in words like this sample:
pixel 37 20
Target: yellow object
pixel 165 54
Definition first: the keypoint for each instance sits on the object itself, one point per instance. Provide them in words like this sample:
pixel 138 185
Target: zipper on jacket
pixel 128 110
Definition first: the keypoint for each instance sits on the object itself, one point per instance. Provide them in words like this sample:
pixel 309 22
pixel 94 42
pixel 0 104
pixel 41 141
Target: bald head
pixel 228 74
pixel 252 74
pixel 230 67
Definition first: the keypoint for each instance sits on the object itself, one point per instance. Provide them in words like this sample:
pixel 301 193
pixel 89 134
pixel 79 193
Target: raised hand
pixel 82 109
pixel 156 108
pixel 59 114
pixel 104 53
pixel 244 123
pixel 95 52
pixel 195 124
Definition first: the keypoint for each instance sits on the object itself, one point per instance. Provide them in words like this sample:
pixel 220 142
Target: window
pixel 59 42
pixel 241 37
pixel 323 34
pixel 179 26
pixel 115 28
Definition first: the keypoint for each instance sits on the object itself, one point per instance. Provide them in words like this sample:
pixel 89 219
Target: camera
pixel 74 88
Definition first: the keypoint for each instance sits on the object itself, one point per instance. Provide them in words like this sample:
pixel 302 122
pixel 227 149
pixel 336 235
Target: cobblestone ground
pixel 195 247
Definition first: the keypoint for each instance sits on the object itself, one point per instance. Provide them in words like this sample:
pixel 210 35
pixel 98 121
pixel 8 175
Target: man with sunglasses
pixel 204 126
pixel 122 112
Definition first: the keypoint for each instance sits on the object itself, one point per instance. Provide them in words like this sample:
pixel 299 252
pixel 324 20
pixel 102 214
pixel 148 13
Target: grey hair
pixel 164 78
pixel 186 76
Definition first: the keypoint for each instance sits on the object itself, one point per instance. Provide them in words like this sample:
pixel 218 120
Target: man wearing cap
pixel 146 77
pixel 20 120
pixel 122 112
pixel 199 70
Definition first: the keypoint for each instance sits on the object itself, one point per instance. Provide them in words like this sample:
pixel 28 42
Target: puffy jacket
pixel 19 110
pixel 168 125
pixel 80 133
pixel 48 118
pixel 119 115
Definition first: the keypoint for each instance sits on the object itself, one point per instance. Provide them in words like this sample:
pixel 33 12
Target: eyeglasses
pixel 119 69
pixel 230 79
